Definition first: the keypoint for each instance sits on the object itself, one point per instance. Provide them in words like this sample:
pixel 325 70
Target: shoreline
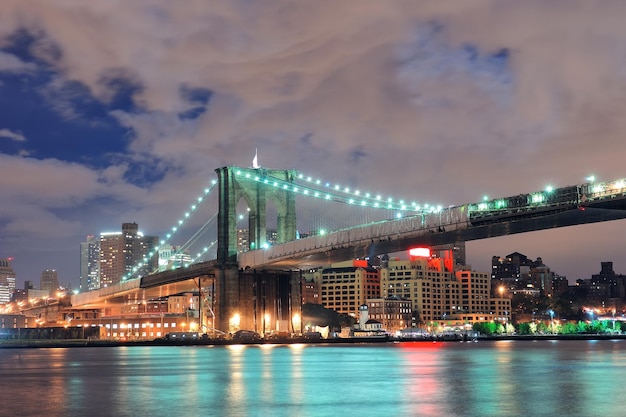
pixel 82 343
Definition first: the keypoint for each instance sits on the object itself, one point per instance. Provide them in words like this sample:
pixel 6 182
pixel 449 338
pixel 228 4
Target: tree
pixel 523 328
pixel 487 327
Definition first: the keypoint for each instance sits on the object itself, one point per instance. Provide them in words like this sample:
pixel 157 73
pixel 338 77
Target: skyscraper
pixel 121 251
pixel 90 264
pixel 7 280
pixel 49 282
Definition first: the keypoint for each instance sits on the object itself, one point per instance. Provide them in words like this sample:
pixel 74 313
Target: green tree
pixel 487 328
pixel 569 328
pixel 523 328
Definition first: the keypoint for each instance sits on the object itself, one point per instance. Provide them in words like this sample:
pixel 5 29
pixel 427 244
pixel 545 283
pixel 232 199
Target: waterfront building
pixel 49 282
pixel 394 313
pixel 475 291
pixel 121 251
pixel 428 282
pixel 182 303
pixel 139 327
pixel 7 280
pixel 90 264
pixel 347 285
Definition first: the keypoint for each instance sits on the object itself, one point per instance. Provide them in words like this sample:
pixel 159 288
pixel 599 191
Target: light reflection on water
pixel 503 378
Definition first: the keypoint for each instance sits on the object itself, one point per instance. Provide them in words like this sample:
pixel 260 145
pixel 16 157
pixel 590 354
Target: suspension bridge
pixel 294 222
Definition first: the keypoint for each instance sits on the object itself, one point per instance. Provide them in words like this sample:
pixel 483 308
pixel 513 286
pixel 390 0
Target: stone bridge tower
pixel 234 296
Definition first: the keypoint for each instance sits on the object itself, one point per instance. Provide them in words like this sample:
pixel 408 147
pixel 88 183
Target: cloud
pixel 16 136
pixel 11 64
pixel 438 101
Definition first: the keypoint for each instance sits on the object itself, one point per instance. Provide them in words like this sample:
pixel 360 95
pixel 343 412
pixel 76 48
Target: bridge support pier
pixel 263 301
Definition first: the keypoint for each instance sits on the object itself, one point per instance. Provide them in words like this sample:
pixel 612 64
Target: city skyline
pixel 120 113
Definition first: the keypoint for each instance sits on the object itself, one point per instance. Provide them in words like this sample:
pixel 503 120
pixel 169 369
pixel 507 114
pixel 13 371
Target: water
pixel 501 378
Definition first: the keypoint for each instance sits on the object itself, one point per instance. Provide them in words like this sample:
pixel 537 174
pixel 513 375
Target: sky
pixel 115 111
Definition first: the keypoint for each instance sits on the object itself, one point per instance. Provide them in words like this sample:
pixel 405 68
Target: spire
pixel 255 163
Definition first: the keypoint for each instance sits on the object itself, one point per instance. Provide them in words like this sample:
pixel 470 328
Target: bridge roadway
pixel 145 288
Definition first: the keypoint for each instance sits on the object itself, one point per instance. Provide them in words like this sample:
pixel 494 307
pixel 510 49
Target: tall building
pixel 120 252
pixel 7 280
pixel 49 282
pixel 90 264
pixel 429 284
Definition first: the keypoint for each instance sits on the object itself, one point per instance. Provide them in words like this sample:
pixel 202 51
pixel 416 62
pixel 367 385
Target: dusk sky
pixel 115 111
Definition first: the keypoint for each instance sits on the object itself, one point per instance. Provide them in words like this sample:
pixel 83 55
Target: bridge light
pixel 351 201
pixel 549 189
pixel 187 214
pixel 485 198
pixel 180 222
pixel 238 172
pixel 308 179
pixel 363 203
pixel 389 200
pixel 285 187
pixel 256 178
pixel 378 197
pixel 193 207
pixel 398 215
pixel 346 190
pixel 318 182
pixel 213 182
pixel 300 176
pixel 316 194
pixel 336 187
pixel 591 178
pixel 174 229
pixel 306 192
pixel 357 192
pixel 322 232
pixel 327 196
pixel 241 217
pixel 367 195
pixel 206 191
pixel 247 175
pixel 265 181
pixel 162 242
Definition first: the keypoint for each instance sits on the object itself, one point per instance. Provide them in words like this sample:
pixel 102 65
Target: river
pixel 431 379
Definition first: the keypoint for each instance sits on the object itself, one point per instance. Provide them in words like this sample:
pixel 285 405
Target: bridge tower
pixel 250 184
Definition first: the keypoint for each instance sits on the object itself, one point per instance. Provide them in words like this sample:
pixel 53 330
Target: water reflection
pixel 423 379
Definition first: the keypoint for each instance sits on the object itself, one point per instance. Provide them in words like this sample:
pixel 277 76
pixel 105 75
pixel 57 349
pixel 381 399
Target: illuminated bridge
pixel 296 222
